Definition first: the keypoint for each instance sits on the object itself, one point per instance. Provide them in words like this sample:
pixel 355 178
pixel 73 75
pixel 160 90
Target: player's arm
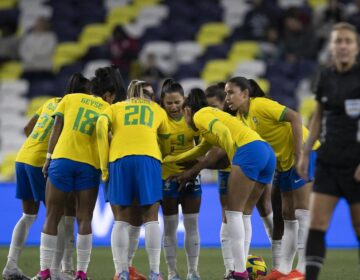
pixel 102 136
pixel 30 125
pixel 191 154
pixel 314 133
pixel 224 136
pixel 294 118
pixel 54 137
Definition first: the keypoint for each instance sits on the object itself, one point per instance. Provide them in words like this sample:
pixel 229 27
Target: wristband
pixel 48 155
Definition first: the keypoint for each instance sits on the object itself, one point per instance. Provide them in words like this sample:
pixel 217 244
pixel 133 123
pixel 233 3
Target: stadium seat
pixel 18 87
pixel 217 70
pixel 67 53
pixel 212 33
pixel 121 15
pixel 264 85
pixel 285 4
pixel 7 4
pixel 307 108
pixel 187 51
pixel 7 167
pixel 11 70
pixel 244 50
pixel 190 83
pixel 251 69
pixel 91 66
pixel 111 4
pixel 94 35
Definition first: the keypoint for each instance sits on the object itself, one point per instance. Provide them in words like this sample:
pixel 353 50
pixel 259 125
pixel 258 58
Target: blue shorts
pixel 257 160
pixel 135 178
pixel 69 175
pixel 223 177
pixel 289 180
pixel 170 189
pixel 30 182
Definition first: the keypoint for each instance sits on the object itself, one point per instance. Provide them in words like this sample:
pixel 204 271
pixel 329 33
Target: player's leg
pixel 250 204
pixel 135 220
pixel 265 210
pixel 30 209
pixel 170 208
pixel 278 230
pixel 321 209
pixel 69 238
pixel 224 232
pixel 190 202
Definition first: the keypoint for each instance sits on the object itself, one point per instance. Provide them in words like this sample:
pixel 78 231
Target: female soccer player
pixel 30 181
pixel 137 125
pixel 182 139
pixel 336 122
pixel 282 128
pixel 73 165
pixel 253 165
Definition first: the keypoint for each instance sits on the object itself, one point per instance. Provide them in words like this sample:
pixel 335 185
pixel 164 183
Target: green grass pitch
pixel 340 264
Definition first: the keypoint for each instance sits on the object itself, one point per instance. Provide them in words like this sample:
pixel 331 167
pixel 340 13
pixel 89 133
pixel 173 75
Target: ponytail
pixel 77 83
pixel 195 100
pixel 249 84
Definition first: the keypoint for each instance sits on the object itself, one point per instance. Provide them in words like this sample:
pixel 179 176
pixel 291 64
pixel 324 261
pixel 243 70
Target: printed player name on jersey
pixel 91 103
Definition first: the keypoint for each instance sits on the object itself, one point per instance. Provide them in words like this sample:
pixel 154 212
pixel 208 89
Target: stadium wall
pixel 340 234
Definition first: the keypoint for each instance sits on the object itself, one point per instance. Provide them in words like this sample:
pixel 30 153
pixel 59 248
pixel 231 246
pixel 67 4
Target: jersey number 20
pixel 136 114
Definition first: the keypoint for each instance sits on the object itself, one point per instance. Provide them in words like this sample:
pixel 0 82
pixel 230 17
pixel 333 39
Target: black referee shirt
pixel 339 94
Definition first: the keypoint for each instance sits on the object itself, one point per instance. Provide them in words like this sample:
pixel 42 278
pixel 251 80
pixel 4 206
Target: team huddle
pixel 150 155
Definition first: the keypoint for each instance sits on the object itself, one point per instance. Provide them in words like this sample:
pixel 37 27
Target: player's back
pixel 78 137
pixel 34 149
pixel 241 134
pixel 136 125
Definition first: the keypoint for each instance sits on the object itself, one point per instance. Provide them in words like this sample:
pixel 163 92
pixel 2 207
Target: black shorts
pixel 337 182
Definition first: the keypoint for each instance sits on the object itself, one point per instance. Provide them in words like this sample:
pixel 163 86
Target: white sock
pixel 248 233
pixel 153 244
pixel 83 250
pixel 288 245
pixel 67 261
pixel 120 246
pixel 268 225
pixel 170 240
pixel 237 236
pixel 134 233
pixel 47 250
pixel 226 248
pixel 19 235
pixel 60 246
pixel 192 241
pixel 276 253
pixel 303 217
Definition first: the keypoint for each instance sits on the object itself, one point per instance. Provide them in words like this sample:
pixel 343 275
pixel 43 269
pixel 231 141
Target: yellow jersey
pixel 78 140
pixel 223 130
pixel 135 125
pixel 33 151
pixel 182 140
pixel 266 117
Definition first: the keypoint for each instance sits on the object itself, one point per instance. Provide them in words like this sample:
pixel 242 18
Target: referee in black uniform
pixel 336 122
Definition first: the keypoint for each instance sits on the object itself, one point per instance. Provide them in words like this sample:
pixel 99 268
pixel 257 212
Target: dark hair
pixel 217 90
pixel 108 79
pixel 78 83
pixel 249 84
pixel 195 100
pixel 170 85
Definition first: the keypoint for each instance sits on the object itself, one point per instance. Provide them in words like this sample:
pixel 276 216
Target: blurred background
pixel 280 43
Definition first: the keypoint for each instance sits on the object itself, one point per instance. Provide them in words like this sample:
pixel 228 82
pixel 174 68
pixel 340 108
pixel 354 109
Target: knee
pixel 319 222
pixel 288 213
pixel 264 208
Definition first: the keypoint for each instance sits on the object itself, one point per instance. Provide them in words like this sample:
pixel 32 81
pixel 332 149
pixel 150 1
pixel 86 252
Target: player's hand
pixel 302 166
pixel 105 175
pixel 187 164
pixel 357 174
pixel 46 167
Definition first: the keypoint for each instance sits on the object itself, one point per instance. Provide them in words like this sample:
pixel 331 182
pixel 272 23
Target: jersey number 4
pixel 138 114
pixel 85 121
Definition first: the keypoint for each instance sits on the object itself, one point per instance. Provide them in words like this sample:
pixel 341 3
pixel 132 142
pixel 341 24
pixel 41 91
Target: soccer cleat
pixel 239 275
pixel 173 275
pixel 294 275
pixel 135 275
pixel 15 274
pixel 274 275
pixel 155 276
pixel 43 275
pixel 227 276
pixel 81 275
pixel 123 275
pixel 193 276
